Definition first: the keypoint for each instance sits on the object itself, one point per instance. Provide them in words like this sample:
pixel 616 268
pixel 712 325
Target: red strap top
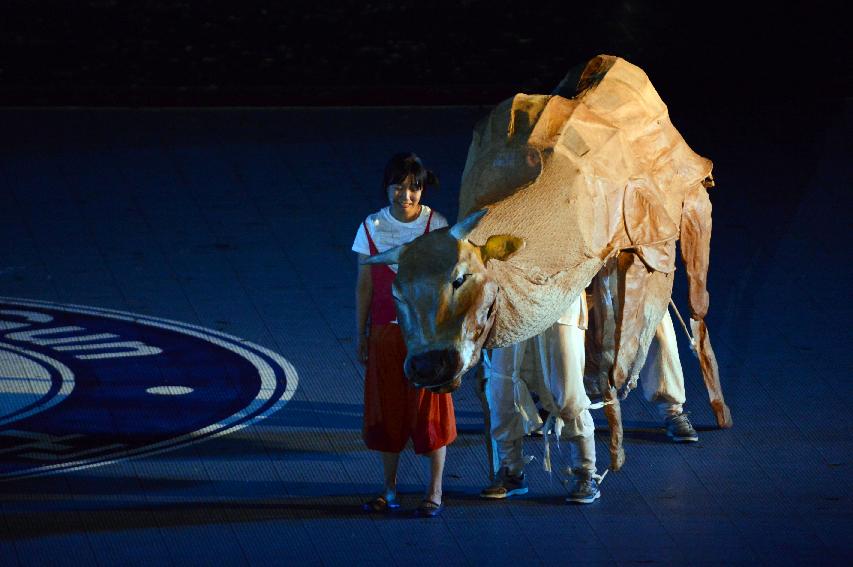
pixel 382 309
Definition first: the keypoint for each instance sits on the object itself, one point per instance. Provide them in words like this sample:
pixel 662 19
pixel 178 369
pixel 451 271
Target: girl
pixel 394 411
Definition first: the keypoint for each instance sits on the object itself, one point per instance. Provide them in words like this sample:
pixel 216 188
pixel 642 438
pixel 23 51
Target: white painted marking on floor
pixel 227 425
pixel 26 369
pixel 169 390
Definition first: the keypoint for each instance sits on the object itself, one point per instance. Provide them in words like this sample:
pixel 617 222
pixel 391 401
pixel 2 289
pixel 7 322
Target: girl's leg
pixel 436 471
pixel 390 461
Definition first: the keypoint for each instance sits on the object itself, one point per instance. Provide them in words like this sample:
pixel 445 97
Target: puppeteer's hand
pixel 362 349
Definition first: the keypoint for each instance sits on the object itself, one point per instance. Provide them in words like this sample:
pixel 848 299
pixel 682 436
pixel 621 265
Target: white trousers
pixel 550 364
pixel 662 379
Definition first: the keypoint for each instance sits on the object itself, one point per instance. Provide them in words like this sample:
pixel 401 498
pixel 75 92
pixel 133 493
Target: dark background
pixel 254 52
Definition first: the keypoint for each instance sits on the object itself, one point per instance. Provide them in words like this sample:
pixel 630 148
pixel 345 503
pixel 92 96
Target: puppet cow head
pixel 445 299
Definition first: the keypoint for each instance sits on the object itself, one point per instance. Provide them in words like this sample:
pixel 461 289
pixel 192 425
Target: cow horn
pixel 390 256
pixel 463 228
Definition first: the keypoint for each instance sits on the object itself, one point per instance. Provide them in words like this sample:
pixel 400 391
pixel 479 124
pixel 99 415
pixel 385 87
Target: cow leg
pixel 711 373
pixel 631 321
pixel 613 413
pixel 695 252
pixel 600 346
pixel 600 335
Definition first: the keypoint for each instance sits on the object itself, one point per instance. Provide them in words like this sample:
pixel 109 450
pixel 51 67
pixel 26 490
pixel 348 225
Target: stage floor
pixel 178 232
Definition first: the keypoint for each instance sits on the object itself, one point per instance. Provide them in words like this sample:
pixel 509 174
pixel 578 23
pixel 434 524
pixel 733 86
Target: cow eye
pixel 457 283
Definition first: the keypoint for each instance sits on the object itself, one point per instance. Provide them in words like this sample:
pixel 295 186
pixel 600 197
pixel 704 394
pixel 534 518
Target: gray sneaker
pixel 505 485
pixel 583 488
pixel 680 430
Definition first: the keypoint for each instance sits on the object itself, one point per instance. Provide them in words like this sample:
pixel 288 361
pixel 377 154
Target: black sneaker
pixel 505 485
pixel 584 488
pixel 680 430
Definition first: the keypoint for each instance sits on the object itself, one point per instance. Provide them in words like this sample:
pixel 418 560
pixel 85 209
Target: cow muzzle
pixel 434 369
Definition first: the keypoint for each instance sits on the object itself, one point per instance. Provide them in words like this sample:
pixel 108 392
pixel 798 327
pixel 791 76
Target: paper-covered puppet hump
pixel 614 138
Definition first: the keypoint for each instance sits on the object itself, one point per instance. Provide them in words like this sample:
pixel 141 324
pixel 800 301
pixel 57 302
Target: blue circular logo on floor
pixel 82 386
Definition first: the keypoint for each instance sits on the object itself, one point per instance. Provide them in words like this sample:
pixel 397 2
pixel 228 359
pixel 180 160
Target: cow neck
pixel 529 301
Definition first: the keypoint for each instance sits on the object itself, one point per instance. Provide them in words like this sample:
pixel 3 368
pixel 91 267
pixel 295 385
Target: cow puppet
pixel 554 190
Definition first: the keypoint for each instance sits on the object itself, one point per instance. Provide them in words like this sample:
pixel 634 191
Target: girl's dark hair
pixel 403 165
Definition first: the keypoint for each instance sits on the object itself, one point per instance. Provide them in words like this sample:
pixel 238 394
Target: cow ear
pixel 390 256
pixel 501 247
pixel 463 228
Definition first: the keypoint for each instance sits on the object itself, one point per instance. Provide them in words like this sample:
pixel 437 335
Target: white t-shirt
pixel 387 232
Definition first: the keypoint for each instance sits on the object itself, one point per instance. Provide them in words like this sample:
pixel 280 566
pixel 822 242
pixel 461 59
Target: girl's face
pixel 405 199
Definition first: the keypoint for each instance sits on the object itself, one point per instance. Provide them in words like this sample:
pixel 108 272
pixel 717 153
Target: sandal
pixel 380 504
pixel 429 509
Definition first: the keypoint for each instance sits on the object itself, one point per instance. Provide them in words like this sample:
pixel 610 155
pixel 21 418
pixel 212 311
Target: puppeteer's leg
pixel 662 381
pixel 562 357
pixel 512 413
pixel 480 389
pixel 561 350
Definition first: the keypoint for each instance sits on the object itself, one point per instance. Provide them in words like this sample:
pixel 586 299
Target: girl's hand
pixel 362 349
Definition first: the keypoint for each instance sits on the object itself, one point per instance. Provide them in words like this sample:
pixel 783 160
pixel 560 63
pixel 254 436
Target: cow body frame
pixel 601 180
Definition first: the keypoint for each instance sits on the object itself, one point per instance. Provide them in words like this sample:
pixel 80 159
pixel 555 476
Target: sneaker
pixel 680 430
pixel 505 485
pixel 584 488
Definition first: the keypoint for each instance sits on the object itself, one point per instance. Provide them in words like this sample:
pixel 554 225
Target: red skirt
pixel 394 411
